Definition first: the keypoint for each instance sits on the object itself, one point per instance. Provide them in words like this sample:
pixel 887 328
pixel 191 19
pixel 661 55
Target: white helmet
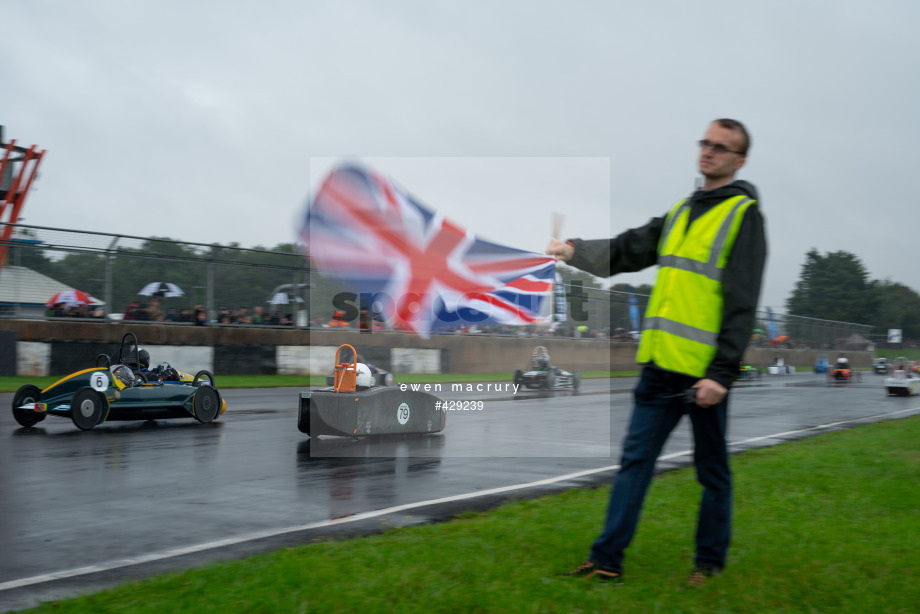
pixel 363 376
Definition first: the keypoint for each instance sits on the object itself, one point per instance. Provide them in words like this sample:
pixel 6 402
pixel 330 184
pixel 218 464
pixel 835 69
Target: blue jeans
pixel 654 417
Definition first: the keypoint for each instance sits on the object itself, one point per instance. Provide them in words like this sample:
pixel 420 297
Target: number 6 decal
pixel 99 380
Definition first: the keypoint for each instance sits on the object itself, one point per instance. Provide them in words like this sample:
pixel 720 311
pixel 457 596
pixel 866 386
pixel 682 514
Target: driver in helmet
pixel 132 368
pixel 364 377
pixel 143 359
pixel 141 368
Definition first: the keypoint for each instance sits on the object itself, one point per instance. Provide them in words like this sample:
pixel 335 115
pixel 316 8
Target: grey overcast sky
pixel 210 121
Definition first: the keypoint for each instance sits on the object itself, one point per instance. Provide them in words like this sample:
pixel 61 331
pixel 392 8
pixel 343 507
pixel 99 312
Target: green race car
pixel 747 372
pixel 121 387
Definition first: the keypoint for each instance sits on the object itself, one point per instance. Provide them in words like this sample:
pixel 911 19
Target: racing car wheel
pixel 550 381
pixel 205 404
pixel 25 395
pixel 88 408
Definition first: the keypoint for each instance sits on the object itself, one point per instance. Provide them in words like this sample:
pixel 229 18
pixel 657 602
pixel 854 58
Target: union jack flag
pixel 421 271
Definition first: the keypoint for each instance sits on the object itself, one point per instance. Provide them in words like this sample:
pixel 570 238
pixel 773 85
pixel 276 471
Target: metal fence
pixel 770 329
pixel 113 269
pixel 811 333
pixel 231 285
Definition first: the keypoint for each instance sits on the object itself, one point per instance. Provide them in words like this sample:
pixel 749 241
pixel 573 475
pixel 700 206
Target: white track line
pixel 822 427
pixel 175 552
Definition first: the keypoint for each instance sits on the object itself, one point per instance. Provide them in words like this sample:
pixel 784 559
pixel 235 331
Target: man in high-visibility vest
pixel 711 250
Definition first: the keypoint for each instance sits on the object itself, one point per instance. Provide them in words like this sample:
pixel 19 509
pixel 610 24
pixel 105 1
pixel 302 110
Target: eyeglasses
pixel 717 147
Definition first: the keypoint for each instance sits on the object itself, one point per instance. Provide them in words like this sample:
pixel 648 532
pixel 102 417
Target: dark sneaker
pixel 700 575
pixel 590 569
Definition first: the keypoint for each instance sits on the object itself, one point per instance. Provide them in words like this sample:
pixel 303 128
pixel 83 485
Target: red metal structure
pixel 18 169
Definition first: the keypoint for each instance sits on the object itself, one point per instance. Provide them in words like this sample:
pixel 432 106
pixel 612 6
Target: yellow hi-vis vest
pixel 684 314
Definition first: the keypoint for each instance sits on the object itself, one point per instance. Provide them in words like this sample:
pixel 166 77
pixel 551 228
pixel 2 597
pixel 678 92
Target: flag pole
pixel 557 224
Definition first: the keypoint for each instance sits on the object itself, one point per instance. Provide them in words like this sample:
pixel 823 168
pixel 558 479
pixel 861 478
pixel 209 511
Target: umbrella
pixel 284 298
pixel 161 288
pixel 72 297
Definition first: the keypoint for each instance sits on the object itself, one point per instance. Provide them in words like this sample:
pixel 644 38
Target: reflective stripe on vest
pixel 684 314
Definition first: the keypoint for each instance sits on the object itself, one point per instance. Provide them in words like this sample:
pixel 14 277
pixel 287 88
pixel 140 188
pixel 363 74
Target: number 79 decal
pixel 402 413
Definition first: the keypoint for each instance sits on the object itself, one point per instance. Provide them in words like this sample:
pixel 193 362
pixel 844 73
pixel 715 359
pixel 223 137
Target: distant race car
pixel 121 387
pixel 543 376
pixel 747 372
pixel 360 402
pixel 903 382
pixel 821 364
pixel 882 366
pixel 779 367
pixel 842 372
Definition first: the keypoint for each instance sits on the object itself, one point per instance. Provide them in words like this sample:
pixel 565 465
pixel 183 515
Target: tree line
pixel 836 286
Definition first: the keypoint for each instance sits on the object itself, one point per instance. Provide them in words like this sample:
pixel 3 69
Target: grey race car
pixel 545 377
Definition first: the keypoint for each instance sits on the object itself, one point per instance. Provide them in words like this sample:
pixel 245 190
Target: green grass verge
pixel 827 524
pixel 11 384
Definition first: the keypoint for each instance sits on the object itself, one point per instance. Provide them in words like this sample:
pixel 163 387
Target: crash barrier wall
pixel 58 348
pixel 297 352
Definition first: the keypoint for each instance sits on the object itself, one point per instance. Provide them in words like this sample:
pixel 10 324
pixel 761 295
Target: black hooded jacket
pixel 637 249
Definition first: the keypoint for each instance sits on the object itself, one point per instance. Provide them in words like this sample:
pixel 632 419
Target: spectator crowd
pixel 137 311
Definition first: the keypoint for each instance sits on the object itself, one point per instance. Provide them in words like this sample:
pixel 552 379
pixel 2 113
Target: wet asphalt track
pixel 84 510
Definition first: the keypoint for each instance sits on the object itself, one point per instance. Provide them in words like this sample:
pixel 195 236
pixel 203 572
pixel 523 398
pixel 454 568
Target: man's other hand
pixel 709 392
